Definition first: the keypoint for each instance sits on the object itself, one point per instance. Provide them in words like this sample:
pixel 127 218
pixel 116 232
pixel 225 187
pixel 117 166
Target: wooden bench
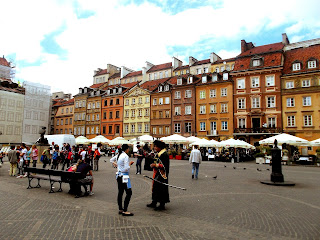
pixel 51 175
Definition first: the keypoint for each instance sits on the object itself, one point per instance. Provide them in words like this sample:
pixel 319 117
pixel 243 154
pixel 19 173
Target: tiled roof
pixel 196 79
pixel 4 62
pixel 302 55
pixel 133 74
pixel 97 85
pixel 16 90
pixel 269 60
pixel 101 72
pixel 160 67
pixel 224 60
pixel 153 84
pixel 127 86
pixel 182 68
pixel 263 49
pixel 201 62
pixel 69 102
pixel 58 102
pixel 116 75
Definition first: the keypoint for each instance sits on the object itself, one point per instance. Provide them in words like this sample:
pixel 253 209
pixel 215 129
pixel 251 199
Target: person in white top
pixel 22 157
pixel 83 154
pixel 195 159
pixel 122 163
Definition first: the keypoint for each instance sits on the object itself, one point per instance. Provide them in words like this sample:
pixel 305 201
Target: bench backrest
pixel 37 170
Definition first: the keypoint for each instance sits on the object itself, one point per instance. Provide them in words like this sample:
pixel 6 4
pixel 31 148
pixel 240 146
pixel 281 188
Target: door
pixel 256 123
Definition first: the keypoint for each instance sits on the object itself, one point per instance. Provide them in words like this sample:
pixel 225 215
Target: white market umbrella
pixel 286 138
pixel 119 141
pixel 203 143
pixel 146 139
pixel 236 143
pixel 82 140
pixel 99 139
pixel 175 138
pixel 315 142
pixel 193 139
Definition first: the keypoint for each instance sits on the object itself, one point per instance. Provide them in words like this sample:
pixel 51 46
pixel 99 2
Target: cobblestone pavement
pixel 235 205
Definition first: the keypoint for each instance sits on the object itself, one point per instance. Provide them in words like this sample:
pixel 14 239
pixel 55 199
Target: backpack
pixel 55 155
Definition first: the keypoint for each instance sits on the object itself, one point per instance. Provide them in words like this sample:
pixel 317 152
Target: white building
pixel 36 110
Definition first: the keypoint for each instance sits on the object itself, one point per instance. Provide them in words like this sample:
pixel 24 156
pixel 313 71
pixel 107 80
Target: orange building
pixel 63 122
pixel 112 109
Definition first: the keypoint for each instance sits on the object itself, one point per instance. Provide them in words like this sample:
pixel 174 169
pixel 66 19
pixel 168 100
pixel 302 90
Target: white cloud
pixel 130 35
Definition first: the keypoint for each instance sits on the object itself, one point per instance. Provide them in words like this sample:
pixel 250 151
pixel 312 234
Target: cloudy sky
pixel 61 42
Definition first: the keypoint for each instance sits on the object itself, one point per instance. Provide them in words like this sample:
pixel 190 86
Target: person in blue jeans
pixel 195 159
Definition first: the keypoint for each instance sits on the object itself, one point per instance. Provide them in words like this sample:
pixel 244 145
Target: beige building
pixel 63 122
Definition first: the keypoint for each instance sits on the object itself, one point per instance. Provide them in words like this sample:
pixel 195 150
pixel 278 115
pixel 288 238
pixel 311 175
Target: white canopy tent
pixel 82 140
pixel 286 138
pixel 99 139
pixel 175 138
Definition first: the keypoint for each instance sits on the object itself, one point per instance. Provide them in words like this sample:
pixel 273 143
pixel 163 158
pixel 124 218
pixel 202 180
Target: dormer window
pixel 190 80
pixel 296 66
pixel 204 79
pixel 312 64
pixel 179 81
pixel 120 90
pixel 160 88
pixel 214 78
pixel 205 70
pixel 166 88
pixel 222 68
pixel 115 90
pixel 225 76
pixel 198 70
pixel 111 82
pixel 256 63
pixel 108 92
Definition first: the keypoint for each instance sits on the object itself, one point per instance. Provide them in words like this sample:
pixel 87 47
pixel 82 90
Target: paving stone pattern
pixel 235 205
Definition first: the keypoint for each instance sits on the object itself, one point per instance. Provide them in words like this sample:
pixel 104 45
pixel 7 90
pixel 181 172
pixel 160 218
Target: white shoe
pixel 91 193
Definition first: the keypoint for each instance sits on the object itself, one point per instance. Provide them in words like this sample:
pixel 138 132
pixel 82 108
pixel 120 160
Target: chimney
pixel 148 65
pixel 285 39
pixel 246 46
pixel 176 62
pixel 192 60
pixel 214 57
pixel 125 71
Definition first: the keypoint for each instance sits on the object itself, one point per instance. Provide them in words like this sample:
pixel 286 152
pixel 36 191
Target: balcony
pixel 256 131
pixel 212 133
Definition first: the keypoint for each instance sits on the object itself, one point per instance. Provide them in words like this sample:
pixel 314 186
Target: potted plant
pixel 259 157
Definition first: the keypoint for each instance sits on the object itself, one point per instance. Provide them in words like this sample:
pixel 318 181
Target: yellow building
pixel 136 115
pixel 301 89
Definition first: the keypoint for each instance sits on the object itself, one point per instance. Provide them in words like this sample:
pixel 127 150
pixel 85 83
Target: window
pixel 167 130
pixel 92 117
pixel 307 120
pixel 255 82
pixel 224 125
pixel 67 110
pixel 177 128
pixel 77 104
pixel 214 78
pixel 89 106
pixel 217 69
pixel 256 62
pixel 111 101
pixel 190 79
pixel 146 127
pixel 213 108
pixel 126 128
pixel 204 79
pixel 222 68
pixel 296 66
pixel 147 99
pixel 289 84
pixel 206 70
pixel 160 114
pixel 117 114
pixel 271 103
pixel 306 101
pixel 188 93
pixel 224 107
pixel 167 114
pixel 110 130
pixel 213 93
pixel 270 80
pixel 160 88
pixel 187 127
pixel 160 130
pixel 306 83
pixel 133 101
pixel 166 73
pixel 154 102
pixel 290 102
pixel 126 113
pixel 203 109
pixel 312 64
pixel 223 92
pixel 177 95
pixel 139 127
pixel 127 102
pixel 160 101
pixel 160 75
pixel 242 123
pixel 255 102
pixel 118 127
pixel 291 121
pixel 133 113
pixel 140 113
pixel 92 130
pixel 167 100
pixel 155 75
pixel 187 110
pixel 154 130
pixel 179 81
pixel 110 115
pixel 198 70
pixel 93 105
pixel 133 128
pixel 67 121
pixel 241 83
pixel 57 122
pixel 202 94
pixel 241 103
pixel 147 112
pixel 140 100
pixel 117 102
pixel 202 126
pixel 271 122
pixel 177 111
pixel 166 88
pixel 225 76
